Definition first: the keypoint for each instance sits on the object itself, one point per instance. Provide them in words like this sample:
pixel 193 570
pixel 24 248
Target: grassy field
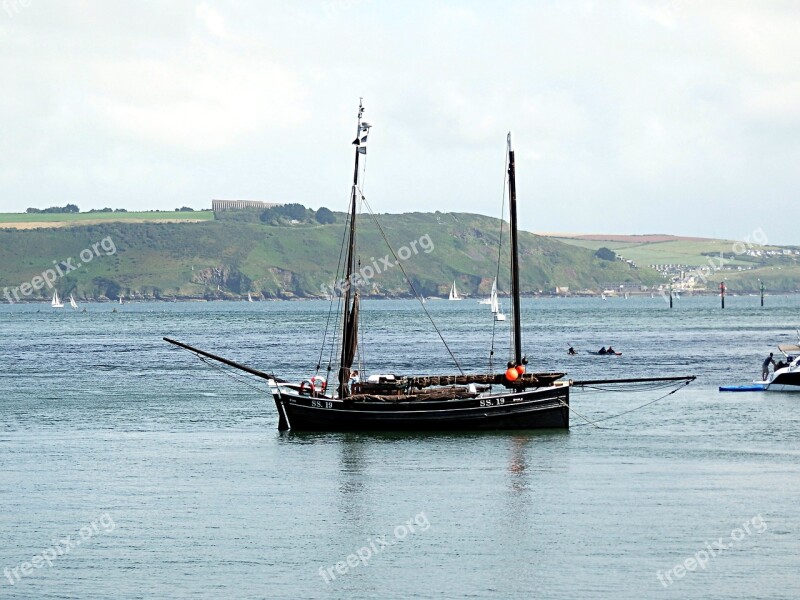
pixel 689 252
pixel 37 220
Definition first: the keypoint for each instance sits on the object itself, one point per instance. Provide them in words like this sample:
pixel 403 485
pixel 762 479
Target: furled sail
pixel 351 339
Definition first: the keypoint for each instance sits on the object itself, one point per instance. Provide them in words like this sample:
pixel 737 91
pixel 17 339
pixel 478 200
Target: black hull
pixel 539 408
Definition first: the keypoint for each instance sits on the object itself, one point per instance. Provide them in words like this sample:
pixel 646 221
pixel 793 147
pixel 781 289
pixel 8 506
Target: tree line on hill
pixel 276 215
pixel 283 214
pixel 73 209
pixel 68 209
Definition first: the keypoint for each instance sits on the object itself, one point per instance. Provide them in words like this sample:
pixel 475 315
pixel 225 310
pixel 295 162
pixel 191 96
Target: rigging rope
pixel 629 386
pixel 339 298
pixel 229 373
pixel 588 422
pixel 679 387
pixel 410 284
pixel 499 258
pixel 340 271
pixel 330 308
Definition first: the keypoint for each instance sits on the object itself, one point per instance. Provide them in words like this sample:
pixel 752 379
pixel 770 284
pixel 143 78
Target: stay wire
pixel 330 306
pixel 410 283
pixel 499 258
pixel 685 383
pixel 229 373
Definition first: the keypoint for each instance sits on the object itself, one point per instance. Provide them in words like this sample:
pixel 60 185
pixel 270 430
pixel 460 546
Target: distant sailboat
pixel 497 310
pixel 493 298
pixel 249 297
pixel 454 293
pixel 56 302
pixel 72 302
pixel 498 314
pixel 492 295
pixel 603 296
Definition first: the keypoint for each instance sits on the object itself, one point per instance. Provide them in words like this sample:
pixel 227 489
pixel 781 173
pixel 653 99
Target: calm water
pixel 194 494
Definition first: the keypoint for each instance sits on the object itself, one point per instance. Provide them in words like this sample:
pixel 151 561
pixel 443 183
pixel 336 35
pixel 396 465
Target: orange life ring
pixel 316 386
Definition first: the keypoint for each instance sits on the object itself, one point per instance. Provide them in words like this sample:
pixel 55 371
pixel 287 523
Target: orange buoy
pixel 520 370
pixel 512 374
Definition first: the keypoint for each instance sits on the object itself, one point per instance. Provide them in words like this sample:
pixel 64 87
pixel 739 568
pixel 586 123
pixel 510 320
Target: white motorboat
pixel 786 377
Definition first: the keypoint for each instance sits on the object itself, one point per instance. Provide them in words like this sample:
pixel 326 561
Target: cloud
pixel 637 115
pixel 203 99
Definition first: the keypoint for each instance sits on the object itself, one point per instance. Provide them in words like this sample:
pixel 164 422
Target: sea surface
pixel 130 469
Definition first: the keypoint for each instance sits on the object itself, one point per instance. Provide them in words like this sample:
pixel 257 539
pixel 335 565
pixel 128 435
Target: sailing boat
pixel 495 304
pixel 56 302
pixel 120 298
pixel 499 316
pixel 511 399
pixel 491 295
pixel 249 297
pixel 72 302
pixel 454 293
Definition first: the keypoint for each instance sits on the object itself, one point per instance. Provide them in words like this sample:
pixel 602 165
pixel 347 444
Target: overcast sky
pixel 677 116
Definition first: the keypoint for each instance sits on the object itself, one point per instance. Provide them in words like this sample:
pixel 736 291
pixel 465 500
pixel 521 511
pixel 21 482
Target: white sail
pixel 120 298
pixel 454 292
pixel 499 315
pixel 249 297
pixel 495 305
pixel 72 302
pixel 489 299
pixel 56 302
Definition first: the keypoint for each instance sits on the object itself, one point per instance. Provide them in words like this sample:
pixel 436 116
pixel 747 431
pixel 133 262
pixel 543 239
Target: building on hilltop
pixel 223 205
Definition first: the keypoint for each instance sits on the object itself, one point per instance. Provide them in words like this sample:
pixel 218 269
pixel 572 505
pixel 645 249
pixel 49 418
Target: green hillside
pixel 229 258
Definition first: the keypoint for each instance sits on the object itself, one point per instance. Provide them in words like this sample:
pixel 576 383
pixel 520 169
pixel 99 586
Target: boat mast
pixel 348 329
pixel 512 205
